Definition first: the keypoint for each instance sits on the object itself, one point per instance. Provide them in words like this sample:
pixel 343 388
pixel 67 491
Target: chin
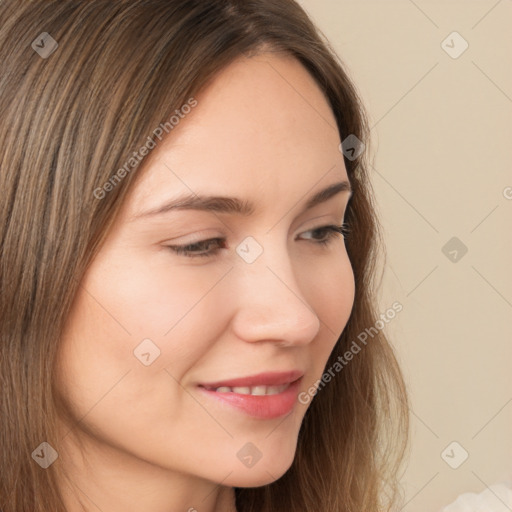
pixel 262 473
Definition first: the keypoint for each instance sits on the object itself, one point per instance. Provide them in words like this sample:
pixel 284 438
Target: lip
pixel 258 406
pixel 262 379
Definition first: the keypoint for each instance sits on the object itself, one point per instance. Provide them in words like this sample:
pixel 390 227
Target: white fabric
pixel 497 498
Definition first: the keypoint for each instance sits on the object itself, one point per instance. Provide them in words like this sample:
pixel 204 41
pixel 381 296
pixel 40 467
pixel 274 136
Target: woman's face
pixel 178 303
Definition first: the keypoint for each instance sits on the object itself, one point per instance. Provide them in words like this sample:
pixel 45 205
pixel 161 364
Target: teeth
pixel 274 390
pixel 242 391
pixel 255 390
pixel 259 390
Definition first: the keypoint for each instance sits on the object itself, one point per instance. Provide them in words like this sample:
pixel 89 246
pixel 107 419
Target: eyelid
pixel 204 235
pixel 332 230
pixel 198 236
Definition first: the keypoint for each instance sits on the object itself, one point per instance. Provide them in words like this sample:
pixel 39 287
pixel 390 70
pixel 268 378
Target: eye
pixel 203 248
pixel 322 235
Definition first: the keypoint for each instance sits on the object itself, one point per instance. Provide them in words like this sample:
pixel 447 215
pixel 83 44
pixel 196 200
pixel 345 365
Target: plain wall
pixel 441 137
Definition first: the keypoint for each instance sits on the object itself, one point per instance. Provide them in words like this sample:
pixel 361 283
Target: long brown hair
pixel 68 121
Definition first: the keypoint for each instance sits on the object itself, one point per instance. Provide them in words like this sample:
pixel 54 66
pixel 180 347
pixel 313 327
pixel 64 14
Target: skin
pixel 262 132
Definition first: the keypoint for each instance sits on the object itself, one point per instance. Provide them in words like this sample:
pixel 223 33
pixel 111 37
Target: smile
pixel 254 391
pixel 261 401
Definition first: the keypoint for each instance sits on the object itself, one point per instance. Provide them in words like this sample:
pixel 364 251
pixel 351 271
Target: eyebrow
pixel 233 205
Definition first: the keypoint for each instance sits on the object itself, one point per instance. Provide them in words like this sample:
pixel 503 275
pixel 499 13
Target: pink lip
pixel 262 379
pixel 259 406
pixel 262 406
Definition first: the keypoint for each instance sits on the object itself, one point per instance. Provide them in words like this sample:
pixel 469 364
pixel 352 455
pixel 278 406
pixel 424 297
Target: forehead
pixel 262 126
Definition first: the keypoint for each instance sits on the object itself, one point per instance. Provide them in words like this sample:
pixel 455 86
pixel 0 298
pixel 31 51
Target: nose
pixel 270 305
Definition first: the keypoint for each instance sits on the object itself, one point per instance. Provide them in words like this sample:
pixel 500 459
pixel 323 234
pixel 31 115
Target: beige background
pixel 442 143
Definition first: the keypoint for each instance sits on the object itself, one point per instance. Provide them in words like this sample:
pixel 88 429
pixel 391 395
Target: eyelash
pixel 188 250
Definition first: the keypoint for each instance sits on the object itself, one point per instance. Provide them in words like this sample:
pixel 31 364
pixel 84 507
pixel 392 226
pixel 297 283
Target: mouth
pixel 263 396
pixel 254 391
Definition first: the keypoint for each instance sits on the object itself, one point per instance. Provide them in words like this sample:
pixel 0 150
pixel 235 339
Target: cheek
pixel 330 291
pixel 119 306
pixel 107 387
pixel 153 300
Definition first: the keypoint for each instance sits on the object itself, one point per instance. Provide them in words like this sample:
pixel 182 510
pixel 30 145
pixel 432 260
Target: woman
pixel 188 248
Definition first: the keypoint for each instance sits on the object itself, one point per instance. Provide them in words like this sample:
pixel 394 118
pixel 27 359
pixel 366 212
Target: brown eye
pixel 203 248
pixel 323 235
